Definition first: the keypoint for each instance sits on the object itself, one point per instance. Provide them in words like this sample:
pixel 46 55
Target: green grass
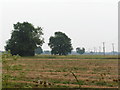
pixel 74 57
pixel 17 85
pixel 16 67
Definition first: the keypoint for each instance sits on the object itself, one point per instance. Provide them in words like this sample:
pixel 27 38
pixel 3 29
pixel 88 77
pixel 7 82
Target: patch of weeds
pixel 22 73
pixel 6 85
pixel 114 84
pixel 7 68
pixel 58 81
pixel 101 83
pixel 65 82
pixel 54 81
pixel 6 77
pixel 14 78
pixel 28 70
pixel 75 68
pixel 61 86
pixel 9 77
pixel 64 70
pixel 68 82
pixel 51 71
pixel 16 67
pixel 65 74
pixel 78 68
pixel 27 86
pixel 18 85
pixel 80 82
pixel 110 85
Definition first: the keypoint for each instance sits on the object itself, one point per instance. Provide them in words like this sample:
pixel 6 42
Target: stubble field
pixel 46 71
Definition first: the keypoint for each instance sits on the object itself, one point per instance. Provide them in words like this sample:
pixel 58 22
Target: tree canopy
pixel 80 51
pixel 60 44
pixel 38 50
pixel 25 39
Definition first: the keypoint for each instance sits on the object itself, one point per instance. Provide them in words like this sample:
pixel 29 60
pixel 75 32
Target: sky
pixel 88 23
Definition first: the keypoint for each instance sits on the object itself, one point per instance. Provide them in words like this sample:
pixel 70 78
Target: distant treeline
pixel 47 52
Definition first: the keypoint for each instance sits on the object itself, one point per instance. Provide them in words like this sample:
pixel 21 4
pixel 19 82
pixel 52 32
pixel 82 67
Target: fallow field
pixel 50 71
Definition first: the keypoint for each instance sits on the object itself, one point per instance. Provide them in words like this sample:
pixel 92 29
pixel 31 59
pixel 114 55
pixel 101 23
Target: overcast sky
pixel 87 22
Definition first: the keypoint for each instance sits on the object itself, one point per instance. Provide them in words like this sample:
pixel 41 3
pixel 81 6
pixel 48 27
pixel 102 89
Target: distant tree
pixel 38 50
pixel 47 52
pixel 60 44
pixel 25 39
pixel 91 52
pixel 80 51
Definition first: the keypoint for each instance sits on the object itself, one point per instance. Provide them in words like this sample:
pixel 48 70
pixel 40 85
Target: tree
pixel 38 50
pixel 47 52
pixel 25 39
pixel 80 51
pixel 60 44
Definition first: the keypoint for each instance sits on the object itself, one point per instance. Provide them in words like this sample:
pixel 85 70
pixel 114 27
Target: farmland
pixel 91 71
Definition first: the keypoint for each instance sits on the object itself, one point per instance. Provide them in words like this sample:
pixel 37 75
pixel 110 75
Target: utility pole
pixel 104 48
pixel 99 49
pixel 113 47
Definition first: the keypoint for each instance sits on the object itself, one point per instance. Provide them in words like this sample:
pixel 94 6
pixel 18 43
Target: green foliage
pixel 101 83
pixel 60 44
pixel 24 39
pixel 18 86
pixel 80 51
pixel 16 67
pixel 38 50
pixel 6 59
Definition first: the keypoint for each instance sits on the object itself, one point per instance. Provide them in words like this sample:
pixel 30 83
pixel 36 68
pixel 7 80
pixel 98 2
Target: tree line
pixel 26 40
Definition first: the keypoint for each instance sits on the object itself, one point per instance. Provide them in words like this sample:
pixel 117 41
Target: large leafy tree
pixel 60 44
pixel 25 39
pixel 80 51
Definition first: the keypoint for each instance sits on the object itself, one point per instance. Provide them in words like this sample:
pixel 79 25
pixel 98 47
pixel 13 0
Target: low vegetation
pixel 48 71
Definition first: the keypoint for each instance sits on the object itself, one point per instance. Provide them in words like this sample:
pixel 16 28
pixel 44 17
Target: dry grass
pixel 93 73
